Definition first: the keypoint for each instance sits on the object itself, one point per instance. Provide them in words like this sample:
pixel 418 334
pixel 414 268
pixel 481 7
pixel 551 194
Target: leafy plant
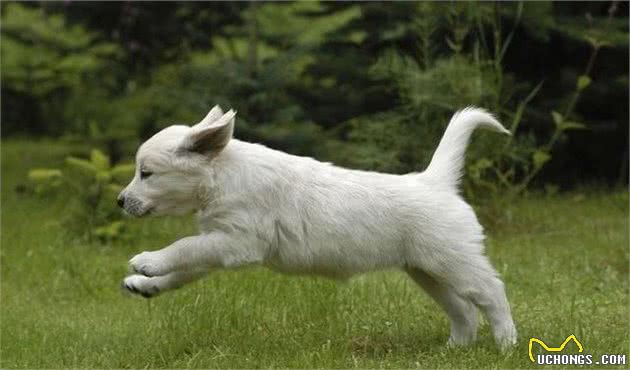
pixel 433 84
pixel 91 187
pixel 46 61
pixel 516 168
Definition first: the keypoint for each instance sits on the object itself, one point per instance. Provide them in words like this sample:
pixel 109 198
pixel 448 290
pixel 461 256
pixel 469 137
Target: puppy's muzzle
pixel 132 205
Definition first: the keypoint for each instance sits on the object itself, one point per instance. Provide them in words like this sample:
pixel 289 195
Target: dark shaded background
pixel 304 77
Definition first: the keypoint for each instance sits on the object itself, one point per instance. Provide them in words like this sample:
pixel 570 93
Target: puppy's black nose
pixel 121 202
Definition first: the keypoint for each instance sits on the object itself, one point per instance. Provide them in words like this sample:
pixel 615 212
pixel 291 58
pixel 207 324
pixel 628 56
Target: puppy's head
pixel 173 167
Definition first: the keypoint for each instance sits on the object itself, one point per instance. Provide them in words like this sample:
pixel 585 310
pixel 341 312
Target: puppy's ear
pixel 210 138
pixel 214 114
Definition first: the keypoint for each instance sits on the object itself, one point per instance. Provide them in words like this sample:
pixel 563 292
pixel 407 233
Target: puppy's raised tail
pixel 448 160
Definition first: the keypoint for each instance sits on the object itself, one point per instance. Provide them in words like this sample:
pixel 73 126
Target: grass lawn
pixel 564 260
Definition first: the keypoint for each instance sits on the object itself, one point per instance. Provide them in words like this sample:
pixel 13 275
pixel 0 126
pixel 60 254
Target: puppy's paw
pixel 142 285
pixel 507 338
pixel 148 264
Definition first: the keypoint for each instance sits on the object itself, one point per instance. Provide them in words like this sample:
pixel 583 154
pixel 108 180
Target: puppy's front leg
pixel 152 286
pixel 214 250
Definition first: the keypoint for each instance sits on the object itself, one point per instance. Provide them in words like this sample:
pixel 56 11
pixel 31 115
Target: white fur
pixel 258 206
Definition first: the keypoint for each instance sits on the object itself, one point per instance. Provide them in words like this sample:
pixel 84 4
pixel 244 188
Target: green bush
pixel 451 73
pixel 90 187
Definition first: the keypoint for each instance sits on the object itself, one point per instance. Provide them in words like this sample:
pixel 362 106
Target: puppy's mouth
pixel 146 212
pixel 137 214
pixel 137 209
pixel 140 213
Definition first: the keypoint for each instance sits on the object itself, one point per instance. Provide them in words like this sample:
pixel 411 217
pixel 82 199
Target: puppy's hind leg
pixel 473 277
pixel 462 313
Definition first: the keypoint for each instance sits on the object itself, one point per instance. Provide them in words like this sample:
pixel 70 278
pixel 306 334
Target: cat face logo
pixel 553 349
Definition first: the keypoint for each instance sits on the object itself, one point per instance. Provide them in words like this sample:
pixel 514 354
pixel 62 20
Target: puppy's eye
pixel 145 174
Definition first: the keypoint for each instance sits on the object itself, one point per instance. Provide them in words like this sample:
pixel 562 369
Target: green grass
pixel 564 260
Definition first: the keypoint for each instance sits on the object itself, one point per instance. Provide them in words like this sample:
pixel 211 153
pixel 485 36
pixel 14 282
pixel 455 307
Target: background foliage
pixel 366 85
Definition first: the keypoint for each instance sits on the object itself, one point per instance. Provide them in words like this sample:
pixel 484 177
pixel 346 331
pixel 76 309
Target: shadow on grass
pixel 379 345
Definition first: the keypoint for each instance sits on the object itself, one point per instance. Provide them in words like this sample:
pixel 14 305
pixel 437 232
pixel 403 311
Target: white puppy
pixel 258 206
